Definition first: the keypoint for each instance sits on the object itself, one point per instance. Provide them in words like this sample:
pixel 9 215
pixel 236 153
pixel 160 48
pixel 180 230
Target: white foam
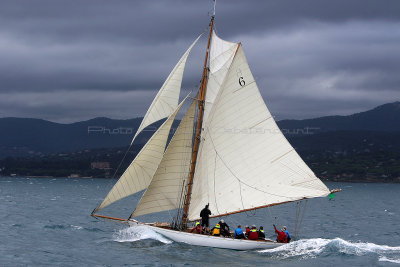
pixel 308 247
pixel 136 233
pixel 383 258
pixel 314 247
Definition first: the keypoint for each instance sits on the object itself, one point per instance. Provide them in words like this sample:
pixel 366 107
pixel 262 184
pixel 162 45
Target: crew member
pixel 247 231
pixel 216 231
pixel 239 232
pixel 281 238
pixel 197 228
pixel 253 235
pixel 224 228
pixel 205 217
pixel 288 237
pixel 261 234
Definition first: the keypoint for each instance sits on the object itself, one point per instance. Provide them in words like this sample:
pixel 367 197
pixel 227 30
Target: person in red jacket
pixel 281 238
pixel 247 231
pixel 197 228
pixel 253 235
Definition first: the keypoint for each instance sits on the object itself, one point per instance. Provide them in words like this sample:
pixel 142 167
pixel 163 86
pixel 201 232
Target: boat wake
pixel 317 247
pixel 136 233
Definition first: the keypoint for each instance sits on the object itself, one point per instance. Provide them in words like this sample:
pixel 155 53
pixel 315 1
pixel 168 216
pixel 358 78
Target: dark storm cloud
pixel 69 60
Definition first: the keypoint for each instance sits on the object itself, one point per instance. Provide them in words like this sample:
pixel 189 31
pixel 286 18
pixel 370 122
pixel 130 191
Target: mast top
pixel 215 3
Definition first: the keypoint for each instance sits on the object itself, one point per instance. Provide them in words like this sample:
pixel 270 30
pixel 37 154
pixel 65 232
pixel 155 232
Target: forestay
pixel 170 179
pixel 167 97
pixel 245 161
pixel 140 172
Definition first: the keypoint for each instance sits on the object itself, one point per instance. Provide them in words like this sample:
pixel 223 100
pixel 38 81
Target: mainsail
pixel 140 172
pixel 170 179
pixel 167 97
pixel 245 162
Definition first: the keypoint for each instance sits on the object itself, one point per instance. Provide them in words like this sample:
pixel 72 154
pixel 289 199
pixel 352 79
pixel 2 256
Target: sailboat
pixel 227 152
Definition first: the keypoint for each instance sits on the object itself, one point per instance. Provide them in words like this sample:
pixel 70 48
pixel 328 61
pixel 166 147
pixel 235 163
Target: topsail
pixel 221 56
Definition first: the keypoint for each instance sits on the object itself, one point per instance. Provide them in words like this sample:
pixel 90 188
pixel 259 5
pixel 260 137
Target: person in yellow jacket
pixel 216 231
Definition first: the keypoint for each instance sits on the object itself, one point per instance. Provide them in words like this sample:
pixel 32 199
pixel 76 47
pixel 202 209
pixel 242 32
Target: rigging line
pixel 115 173
pixel 269 211
pixel 226 165
pixel 297 220
pixel 250 215
pixel 304 211
pixel 194 87
pixel 176 221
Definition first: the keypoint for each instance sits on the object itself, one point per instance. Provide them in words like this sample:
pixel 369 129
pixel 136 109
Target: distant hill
pixel 24 137
pixel 384 118
pixel 34 137
pixel 346 142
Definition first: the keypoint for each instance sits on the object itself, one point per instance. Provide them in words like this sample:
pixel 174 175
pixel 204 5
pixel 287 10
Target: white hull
pixel 211 241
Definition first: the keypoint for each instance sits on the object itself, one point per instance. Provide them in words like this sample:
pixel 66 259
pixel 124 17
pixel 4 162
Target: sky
pixel 70 60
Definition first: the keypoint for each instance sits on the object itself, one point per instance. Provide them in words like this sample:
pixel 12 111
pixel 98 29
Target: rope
pixel 115 173
pixel 297 219
pixel 304 211
pixel 301 215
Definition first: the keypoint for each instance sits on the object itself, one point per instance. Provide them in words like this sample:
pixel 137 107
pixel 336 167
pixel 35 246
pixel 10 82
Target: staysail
pixel 245 162
pixel 140 172
pixel 167 97
pixel 221 56
pixel 170 179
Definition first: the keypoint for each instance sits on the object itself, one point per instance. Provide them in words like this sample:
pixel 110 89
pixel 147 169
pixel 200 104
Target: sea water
pixel 47 222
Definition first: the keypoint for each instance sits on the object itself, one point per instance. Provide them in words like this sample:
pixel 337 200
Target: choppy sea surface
pixel 47 222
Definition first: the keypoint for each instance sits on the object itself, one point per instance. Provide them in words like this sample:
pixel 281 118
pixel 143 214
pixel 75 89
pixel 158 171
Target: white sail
pixel 140 172
pixel 167 97
pixel 245 161
pixel 221 55
pixel 169 181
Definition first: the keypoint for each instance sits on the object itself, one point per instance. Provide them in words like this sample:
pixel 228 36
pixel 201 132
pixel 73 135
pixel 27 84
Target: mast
pixel 202 95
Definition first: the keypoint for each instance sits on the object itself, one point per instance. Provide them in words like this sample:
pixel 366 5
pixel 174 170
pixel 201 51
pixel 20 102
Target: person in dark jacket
pixel 253 235
pixel 205 217
pixel 288 237
pixel 239 232
pixel 281 238
pixel 224 228
pixel 261 234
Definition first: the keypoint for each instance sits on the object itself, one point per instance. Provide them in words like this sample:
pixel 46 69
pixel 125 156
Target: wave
pixel 383 258
pixel 55 226
pixel 136 233
pixel 69 227
pixel 316 247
